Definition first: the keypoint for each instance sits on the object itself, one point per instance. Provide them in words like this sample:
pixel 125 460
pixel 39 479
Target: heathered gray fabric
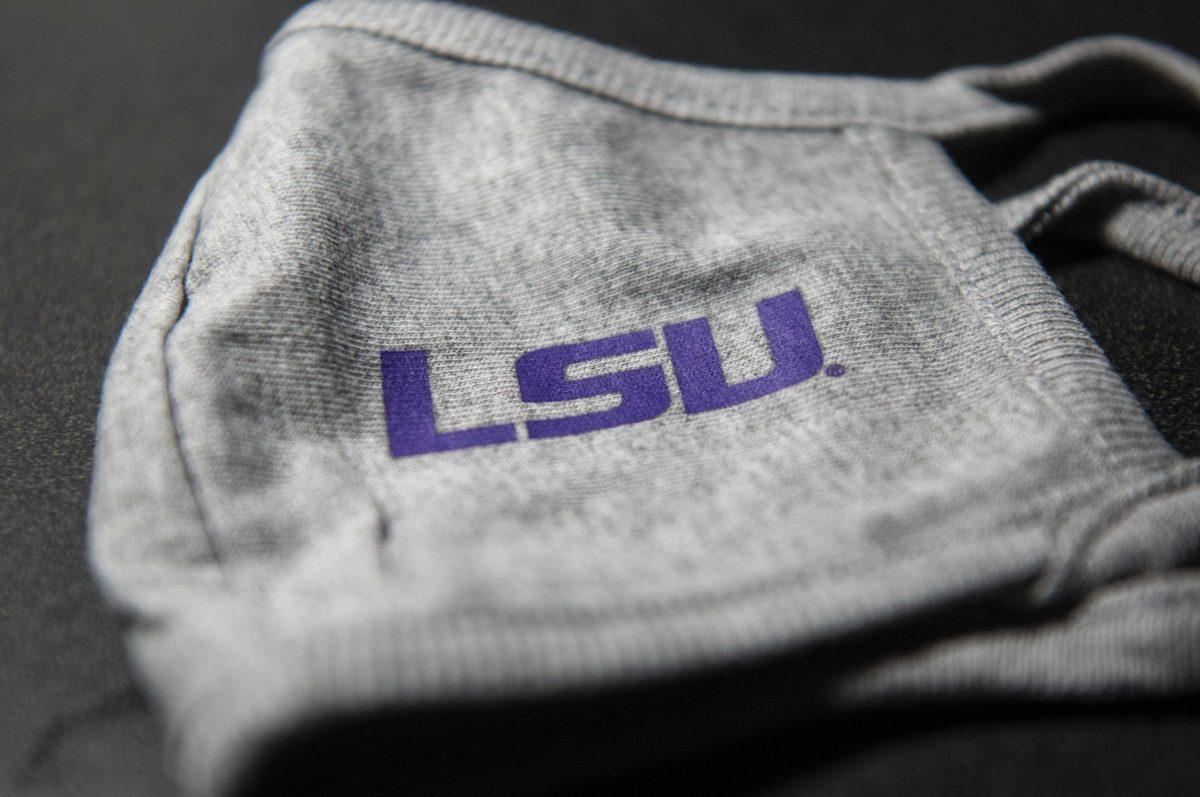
pixel 414 175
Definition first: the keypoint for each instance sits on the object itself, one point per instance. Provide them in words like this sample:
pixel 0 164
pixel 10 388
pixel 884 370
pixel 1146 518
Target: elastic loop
pixel 1090 75
pixel 1126 209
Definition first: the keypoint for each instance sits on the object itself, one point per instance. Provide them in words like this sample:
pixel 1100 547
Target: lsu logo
pixel 644 394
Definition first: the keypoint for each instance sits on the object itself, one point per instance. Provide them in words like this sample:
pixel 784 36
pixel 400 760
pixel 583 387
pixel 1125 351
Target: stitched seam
pixel 989 316
pixel 1074 548
pixel 172 406
pixel 963 121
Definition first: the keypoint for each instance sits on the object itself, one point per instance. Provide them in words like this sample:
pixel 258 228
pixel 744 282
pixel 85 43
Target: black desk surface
pixel 110 111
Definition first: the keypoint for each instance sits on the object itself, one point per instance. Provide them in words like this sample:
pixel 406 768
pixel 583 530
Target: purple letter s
pixel 643 391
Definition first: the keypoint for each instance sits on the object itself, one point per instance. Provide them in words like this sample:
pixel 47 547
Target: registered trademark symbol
pixel 836 369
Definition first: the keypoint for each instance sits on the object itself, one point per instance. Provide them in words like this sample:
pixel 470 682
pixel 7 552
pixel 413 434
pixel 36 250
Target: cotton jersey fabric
pixel 418 177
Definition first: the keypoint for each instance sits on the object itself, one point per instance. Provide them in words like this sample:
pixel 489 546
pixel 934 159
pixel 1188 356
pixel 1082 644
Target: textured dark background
pixel 110 111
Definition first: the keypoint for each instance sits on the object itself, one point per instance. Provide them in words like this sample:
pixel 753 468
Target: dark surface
pixel 109 112
pixel 1020 750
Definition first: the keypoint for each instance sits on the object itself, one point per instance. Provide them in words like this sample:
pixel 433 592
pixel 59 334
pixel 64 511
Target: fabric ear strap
pixel 1107 74
pixel 1123 208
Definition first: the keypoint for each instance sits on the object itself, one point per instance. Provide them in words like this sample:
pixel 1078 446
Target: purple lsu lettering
pixel 541 377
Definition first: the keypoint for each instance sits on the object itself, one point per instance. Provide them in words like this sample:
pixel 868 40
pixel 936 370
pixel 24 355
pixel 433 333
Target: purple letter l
pixel 408 407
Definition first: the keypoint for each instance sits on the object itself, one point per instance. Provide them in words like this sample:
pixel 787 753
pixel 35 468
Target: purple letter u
pixel 408 407
pixel 643 391
pixel 794 349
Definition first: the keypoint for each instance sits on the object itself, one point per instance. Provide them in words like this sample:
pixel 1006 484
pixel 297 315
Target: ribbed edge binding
pixel 937 106
pixel 954 103
pixel 1018 302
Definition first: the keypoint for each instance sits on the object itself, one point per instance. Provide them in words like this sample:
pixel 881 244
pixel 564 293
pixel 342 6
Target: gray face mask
pixel 490 362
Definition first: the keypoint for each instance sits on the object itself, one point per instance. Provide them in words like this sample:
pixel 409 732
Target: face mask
pixel 487 362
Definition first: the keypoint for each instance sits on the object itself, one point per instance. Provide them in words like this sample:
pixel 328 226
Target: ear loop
pixel 1157 222
pixel 1125 209
pixel 1121 207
